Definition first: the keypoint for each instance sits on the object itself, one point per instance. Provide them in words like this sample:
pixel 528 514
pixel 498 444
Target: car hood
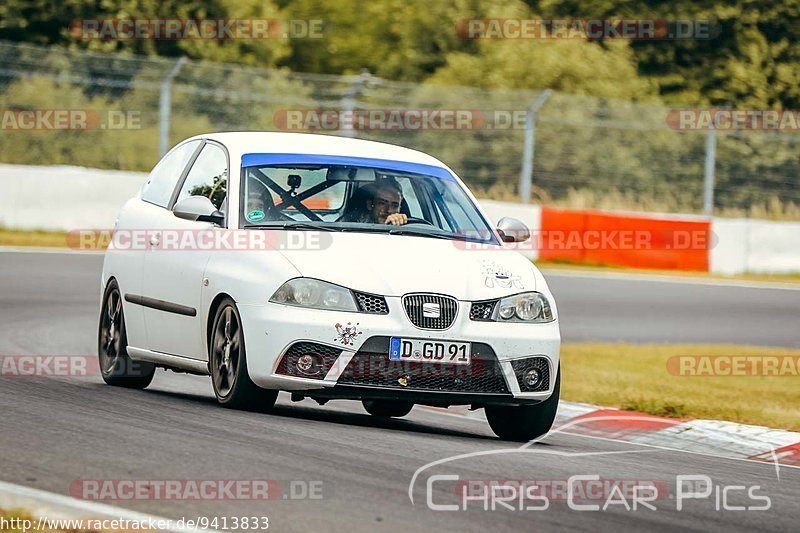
pixel 393 265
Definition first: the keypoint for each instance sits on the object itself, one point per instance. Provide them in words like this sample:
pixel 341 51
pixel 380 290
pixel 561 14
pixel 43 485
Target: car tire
pixel 387 409
pixel 116 367
pixel 525 422
pixel 228 364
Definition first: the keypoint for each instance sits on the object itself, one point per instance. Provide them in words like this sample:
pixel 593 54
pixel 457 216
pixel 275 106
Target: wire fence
pixel 581 151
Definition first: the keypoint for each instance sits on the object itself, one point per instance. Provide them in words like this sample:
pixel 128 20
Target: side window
pixel 208 177
pixel 452 210
pixel 463 219
pixel 163 178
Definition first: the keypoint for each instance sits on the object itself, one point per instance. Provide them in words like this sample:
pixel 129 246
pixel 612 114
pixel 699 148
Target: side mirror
pixel 513 230
pixel 198 208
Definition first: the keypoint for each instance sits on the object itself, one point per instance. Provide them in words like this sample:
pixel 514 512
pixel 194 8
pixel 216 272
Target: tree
pixel 751 60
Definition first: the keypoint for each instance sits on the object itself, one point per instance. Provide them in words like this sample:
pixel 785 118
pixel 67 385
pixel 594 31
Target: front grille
pixel 371 303
pixel 324 356
pixel 521 366
pixel 376 370
pixel 417 306
pixel 482 311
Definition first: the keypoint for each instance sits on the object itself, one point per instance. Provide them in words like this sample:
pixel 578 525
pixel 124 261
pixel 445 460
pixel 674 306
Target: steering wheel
pixel 415 220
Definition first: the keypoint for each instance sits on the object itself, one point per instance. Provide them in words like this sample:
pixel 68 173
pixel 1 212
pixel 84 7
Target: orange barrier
pixel 314 203
pixel 640 241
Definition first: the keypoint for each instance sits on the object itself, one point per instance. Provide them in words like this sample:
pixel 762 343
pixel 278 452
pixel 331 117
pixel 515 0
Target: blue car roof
pixel 259 160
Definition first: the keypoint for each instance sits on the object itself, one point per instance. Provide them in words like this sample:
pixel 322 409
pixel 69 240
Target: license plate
pixel 426 350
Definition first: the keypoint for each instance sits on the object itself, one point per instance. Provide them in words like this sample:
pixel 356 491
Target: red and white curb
pixel 710 437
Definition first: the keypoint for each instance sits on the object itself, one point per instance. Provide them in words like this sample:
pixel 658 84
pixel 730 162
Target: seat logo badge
pixel 431 310
pixel 403 381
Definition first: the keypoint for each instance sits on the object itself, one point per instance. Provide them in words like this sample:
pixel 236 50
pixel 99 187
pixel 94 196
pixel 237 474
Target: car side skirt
pixel 192 366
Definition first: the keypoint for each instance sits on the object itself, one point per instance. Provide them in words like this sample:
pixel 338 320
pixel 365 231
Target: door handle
pixel 154 240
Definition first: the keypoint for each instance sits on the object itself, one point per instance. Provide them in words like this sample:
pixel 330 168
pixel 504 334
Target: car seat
pixel 357 203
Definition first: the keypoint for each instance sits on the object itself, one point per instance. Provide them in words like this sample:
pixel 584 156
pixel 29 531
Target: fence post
pixel 349 104
pixel 711 154
pixel 164 107
pixel 526 175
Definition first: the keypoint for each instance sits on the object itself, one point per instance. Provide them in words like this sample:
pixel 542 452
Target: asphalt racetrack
pixel 56 432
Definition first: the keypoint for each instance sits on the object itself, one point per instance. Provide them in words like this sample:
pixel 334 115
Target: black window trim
pixel 182 174
pixel 174 198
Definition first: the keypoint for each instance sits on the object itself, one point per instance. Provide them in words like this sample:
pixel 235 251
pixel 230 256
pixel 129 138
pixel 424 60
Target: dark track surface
pixel 599 308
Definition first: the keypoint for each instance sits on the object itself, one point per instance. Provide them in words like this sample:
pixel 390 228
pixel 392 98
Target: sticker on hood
pixel 496 275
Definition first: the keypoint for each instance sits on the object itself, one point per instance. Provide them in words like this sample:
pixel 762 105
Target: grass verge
pixel 49 239
pixel 636 378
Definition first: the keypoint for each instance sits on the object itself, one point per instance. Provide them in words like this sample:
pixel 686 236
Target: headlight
pixel 525 307
pixel 316 294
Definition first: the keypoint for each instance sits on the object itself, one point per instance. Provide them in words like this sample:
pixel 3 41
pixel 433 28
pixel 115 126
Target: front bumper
pixel 272 329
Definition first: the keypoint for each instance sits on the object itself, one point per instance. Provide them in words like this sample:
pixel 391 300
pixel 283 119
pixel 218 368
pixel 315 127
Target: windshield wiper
pixel 294 225
pixel 418 233
pixel 307 225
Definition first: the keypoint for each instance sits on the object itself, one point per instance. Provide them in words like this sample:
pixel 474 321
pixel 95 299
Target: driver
pixel 383 207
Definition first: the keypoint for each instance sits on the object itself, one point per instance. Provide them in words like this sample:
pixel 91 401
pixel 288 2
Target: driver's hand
pixel 397 219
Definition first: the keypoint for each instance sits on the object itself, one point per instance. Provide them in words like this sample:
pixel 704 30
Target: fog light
pixel 305 364
pixel 531 378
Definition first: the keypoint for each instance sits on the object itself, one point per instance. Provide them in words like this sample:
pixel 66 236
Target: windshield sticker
pixel 347 334
pixel 495 275
pixel 256 216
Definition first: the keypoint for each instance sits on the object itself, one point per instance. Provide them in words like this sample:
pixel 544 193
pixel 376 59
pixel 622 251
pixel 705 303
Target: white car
pixel 332 268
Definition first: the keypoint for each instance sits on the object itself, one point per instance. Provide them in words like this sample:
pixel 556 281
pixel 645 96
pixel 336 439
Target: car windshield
pixel 360 199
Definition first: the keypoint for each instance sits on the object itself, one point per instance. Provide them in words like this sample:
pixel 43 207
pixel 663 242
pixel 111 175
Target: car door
pixel 174 266
pixel 126 262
